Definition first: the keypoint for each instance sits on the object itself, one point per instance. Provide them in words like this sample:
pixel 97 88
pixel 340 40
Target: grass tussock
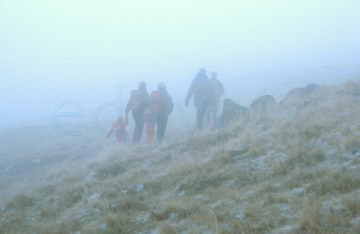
pixel 21 201
pixel 335 182
pixel 352 143
pixel 67 225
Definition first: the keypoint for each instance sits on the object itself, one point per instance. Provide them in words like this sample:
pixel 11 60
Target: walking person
pixel 202 92
pixel 161 106
pixel 138 102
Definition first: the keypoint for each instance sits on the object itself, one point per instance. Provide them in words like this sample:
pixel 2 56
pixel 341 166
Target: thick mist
pixel 83 50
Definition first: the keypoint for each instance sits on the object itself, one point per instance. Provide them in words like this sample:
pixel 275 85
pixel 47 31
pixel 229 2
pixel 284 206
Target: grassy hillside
pixel 295 171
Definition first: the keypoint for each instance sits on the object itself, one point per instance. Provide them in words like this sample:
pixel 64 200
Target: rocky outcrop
pixel 299 95
pixel 349 89
pixel 263 102
pixel 232 112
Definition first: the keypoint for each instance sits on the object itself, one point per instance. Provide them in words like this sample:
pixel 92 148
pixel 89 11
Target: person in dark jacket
pixel 203 94
pixel 138 102
pixel 161 106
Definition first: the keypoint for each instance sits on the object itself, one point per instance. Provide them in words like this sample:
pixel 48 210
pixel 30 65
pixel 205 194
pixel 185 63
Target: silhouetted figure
pixel 119 128
pixel 201 89
pixel 218 91
pixel 161 106
pixel 139 101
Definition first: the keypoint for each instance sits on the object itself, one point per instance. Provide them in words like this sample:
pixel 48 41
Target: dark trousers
pixel 200 113
pixel 161 122
pixel 139 126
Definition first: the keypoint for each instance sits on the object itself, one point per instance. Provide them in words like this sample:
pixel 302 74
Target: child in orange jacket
pixel 119 128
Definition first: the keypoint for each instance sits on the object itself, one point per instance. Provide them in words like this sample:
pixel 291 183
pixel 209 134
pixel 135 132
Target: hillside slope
pixel 294 170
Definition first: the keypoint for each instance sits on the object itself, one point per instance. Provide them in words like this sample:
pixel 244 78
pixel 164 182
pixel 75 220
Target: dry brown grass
pixel 352 143
pixel 300 176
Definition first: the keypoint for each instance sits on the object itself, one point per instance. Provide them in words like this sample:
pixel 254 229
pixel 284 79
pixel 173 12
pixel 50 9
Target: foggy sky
pixel 77 49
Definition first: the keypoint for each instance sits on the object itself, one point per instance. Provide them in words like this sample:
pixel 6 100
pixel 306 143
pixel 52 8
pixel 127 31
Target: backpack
pixel 161 102
pixel 169 105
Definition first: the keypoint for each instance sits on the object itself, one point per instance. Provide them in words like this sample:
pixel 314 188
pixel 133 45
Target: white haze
pixel 80 50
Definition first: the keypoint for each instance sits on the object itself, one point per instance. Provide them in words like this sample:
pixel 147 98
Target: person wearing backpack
pixel 161 105
pixel 138 103
pixel 203 94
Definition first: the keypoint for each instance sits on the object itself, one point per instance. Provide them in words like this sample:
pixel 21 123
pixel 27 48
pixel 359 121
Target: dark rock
pixel 264 101
pixel 299 95
pixel 304 91
pixel 232 112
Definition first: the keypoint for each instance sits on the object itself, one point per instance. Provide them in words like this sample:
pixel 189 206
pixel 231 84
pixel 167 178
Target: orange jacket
pixel 119 128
